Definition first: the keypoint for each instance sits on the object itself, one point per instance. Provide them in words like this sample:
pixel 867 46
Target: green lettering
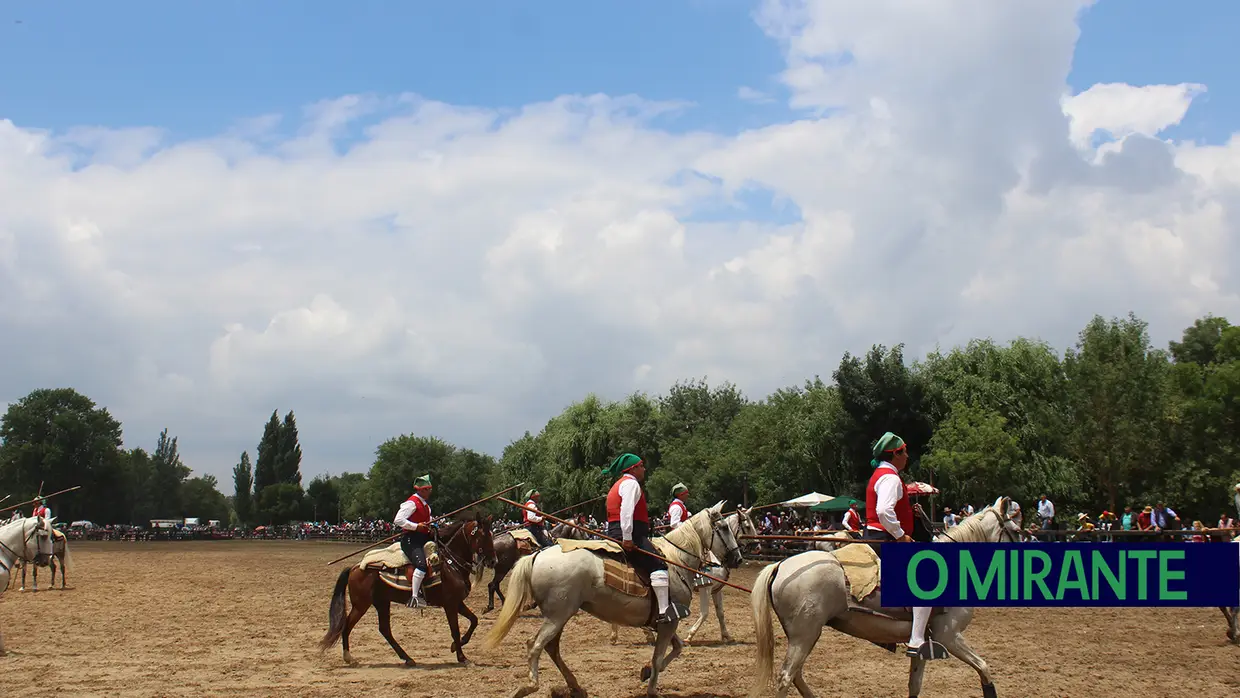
pixel 1014 575
pixel 1099 565
pixel 939 562
pixel 1165 575
pixel 1072 563
pixel 1032 577
pixel 1143 558
pixel 970 575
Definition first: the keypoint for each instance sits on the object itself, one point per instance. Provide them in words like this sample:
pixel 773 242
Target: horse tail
pixel 520 593
pixel 66 561
pixel 336 613
pixel 760 601
pixel 478 572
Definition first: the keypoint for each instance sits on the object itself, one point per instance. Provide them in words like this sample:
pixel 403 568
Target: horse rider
pixel 533 520
pixel 677 512
pixel 17 515
pixel 852 518
pixel 41 509
pixel 889 518
pixel 629 522
pixel 414 517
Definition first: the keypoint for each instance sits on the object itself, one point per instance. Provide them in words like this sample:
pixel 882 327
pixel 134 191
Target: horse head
pixel 722 537
pixel 741 524
pixel 481 541
pixel 39 530
pixel 992 524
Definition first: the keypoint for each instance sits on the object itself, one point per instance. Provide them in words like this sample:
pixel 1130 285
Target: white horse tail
pixel 520 593
pixel 66 565
pixel 760 601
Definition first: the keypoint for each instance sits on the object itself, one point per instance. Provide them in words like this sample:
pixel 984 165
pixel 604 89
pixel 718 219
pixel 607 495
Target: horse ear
pixel 719 507
pixel 1000 504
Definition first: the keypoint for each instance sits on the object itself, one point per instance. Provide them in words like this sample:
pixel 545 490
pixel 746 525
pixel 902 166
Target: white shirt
pixel 531 517
pixel 406 510
pixel 630 492
pixel 674 512
pixel 887 492
pixel 949 521
pixel 1046 509
pixel 968 510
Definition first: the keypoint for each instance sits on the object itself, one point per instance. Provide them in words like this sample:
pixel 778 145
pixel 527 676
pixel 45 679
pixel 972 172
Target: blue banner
pixel 1060 574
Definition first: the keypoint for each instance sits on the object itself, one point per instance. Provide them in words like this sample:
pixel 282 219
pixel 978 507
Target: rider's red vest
pixel 904 509
pixel 684 510
pixel 421 510
pixel 525 513
pixel 613 504
pixel 39 511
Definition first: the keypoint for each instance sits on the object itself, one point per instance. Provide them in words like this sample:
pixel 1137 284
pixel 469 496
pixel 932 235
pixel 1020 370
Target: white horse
pixel 740 524
pixel 60 551
pixel 564 583
pixel 809 591
pixel 24 539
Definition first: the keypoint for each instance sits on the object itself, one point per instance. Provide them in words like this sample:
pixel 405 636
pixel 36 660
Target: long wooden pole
pixel 561 511
pixel 815 539
pixel 643 552
pixel 437 518
pixel 32 501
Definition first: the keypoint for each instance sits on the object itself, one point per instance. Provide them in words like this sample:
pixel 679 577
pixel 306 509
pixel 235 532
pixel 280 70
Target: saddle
pixel 393 566
pixel 861 575
pixel 617 573
pixel 526 543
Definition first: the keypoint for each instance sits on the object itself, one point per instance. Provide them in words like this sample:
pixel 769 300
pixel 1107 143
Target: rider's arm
pixel 673 515
pixel 402 515
pixel 630 492
pixel 532 517
pixel 889 488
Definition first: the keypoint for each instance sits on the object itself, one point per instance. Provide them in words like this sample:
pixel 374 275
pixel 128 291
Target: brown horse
pixel 462 550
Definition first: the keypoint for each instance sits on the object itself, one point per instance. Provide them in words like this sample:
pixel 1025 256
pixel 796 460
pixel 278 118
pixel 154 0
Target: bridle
pixel 1004 530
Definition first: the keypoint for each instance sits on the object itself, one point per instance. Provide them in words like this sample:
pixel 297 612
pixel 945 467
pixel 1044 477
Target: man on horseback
pixel 889 518
pixel 41 509
pixel 533 520
pixel 414 517
pixel 629 522
pixel 677 512
pixel 852 519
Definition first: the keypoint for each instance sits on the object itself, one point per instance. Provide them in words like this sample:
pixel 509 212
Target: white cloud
pixel 467 272
pixel 1122 110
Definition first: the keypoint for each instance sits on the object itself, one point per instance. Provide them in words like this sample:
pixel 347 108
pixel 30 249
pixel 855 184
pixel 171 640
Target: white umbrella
pixel 807 500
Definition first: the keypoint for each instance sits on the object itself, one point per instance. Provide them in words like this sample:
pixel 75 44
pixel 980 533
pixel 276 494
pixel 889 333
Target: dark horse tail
pixel 336 614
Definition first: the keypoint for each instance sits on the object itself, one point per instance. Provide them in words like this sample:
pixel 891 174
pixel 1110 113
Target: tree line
pixel 1113 421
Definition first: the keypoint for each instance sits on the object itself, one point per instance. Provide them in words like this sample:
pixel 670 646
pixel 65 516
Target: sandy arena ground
pixel 243 618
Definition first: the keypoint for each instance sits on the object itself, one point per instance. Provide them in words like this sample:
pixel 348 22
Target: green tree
pixel 168 475
pixel 243 485
pixel 201 498
pixel 877 395
pixel 265 472
pixel 1118 401
pixel 60 438
pixel 460 476
pixel 288 456
pixel 973 452
pixel 323 499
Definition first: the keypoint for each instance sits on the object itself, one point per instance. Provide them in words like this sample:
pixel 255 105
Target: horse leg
pixel 553 650
pixel 550 630
pixel 615 633
pixel 383 609
pixel 359 601
pixel 916 674
pixel 454 625
pixel 23 586
pixel 34 573
pixel 664 638
pixel 717 596
pixel 960 649
pixel 473 622
pixel 703 611
pixel 801 641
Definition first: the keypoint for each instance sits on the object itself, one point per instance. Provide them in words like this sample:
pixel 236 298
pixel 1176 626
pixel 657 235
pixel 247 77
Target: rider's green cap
pixel 623 462
pixel 886 443
pixel 678 488
pixel 423 481
pixel 531 493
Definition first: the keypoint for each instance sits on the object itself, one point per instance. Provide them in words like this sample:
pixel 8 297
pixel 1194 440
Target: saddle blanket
pixel 861 569
pixel 521 534
pixel 617 574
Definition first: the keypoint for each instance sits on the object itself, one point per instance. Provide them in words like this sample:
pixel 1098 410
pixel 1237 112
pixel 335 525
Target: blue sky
pixel 196 67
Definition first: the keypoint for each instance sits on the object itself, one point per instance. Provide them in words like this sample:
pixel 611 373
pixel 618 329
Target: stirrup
pixel 416 601
pixel 674 613
pixel 928 650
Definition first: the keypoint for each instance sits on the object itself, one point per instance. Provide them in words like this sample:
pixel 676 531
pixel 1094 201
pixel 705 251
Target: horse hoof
pixel 988 691
pixel 645 673
pixel 410 663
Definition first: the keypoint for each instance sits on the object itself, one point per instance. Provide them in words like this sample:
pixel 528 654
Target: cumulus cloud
pixel 389 263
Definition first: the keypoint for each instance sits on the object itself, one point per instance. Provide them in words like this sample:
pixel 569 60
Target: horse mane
pixel 971 530
pixel 691 542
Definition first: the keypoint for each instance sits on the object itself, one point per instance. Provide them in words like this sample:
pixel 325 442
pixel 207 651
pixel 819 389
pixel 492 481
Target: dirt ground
pixel 243 619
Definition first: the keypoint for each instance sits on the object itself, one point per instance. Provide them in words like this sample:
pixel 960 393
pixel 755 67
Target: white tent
pixel 807 500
